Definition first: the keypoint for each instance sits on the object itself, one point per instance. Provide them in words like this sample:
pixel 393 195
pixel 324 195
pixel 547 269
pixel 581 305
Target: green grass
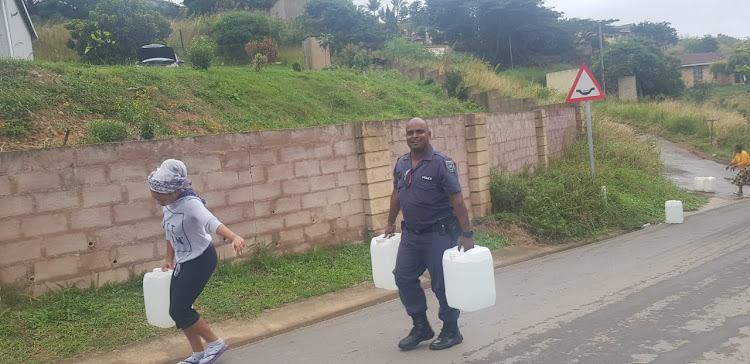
pixel 682 121
pixel 228 98
pixel 491 241
pixel 74 321
pixel 561 202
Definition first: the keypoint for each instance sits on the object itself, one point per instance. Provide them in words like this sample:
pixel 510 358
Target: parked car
pixel 157 55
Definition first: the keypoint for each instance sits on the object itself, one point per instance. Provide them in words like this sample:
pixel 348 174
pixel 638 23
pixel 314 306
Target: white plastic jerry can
pixel 156 297
pixel 673 212
pixel 708 184
pixel 699 184
pixel 383 252
pixel 469 278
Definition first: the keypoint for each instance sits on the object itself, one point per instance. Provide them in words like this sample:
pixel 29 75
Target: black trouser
pixel 415 253
pixel 188 281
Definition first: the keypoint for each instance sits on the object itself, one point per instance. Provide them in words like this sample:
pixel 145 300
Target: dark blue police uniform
pixel 423 195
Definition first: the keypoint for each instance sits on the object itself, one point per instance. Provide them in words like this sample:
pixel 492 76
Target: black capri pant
pixel 188 281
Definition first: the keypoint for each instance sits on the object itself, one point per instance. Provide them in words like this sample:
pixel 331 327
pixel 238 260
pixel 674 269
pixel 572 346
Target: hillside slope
pixel 42 102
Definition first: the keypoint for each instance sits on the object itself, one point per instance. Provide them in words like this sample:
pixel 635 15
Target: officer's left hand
pixel 466 243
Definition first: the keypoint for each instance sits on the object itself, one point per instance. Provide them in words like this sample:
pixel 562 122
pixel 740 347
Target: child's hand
pixel 238 244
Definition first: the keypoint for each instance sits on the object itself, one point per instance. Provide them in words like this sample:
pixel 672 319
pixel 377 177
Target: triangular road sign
pixel 586 88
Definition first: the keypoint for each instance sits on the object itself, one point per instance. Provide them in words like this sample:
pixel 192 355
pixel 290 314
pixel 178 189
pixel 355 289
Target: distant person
pixel 427 191
pixel 188 225
pixel 741 160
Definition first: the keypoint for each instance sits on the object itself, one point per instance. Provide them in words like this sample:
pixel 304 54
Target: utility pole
pixel 510 45
pixel 601 55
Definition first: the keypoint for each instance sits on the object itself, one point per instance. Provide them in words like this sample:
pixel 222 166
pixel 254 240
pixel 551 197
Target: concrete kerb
pixel 173 347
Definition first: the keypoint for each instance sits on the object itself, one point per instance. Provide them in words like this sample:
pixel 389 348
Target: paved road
pixel 667 294
pixel 682 166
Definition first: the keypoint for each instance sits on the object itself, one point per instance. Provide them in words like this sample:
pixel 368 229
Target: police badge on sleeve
pixel 451 166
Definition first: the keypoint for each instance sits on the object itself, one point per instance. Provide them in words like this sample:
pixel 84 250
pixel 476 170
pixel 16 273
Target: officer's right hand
pixel 390 230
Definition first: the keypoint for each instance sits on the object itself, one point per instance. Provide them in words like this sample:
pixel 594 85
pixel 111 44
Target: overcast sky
pixel 689 17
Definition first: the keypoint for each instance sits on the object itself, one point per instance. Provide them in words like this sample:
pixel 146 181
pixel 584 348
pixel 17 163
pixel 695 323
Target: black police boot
pixel 448 337
pixel 420 332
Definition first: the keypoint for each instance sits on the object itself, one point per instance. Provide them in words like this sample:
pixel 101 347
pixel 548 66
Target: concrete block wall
pixel 84 214
pixel 512 141
pixel 561 127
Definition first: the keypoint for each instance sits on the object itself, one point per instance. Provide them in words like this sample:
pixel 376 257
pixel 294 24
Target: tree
pixel 345 24
pixel 233 30
pixel 739 62
pixel 500 29
pixel 655 72
pixel 213 6
pixel 702 45
pixel 373 6
pixel 115 29
pixel 80 9
pixel 586 31
pixel 662 33
pixel 399 9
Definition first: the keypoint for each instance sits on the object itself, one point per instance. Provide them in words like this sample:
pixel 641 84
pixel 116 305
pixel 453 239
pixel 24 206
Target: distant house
pixel 288 9
pixel 16 30
pixel 620 32
pixel 696 67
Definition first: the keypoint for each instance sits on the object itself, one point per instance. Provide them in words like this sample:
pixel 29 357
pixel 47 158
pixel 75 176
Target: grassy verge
pixel 74 321
pixel 682 121
pixel 43 101
pixel 561 202
pixel 478 76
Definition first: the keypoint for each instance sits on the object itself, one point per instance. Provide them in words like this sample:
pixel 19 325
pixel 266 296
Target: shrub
pixel 266 47
pixel 105 131
pixel 454 84
pixel 259 62
pixel 700 92
pixel 296 67
pixel 507 192
pixel 405 50
pixel 115 30
pixel 201 54
pixel 234 30
pixel 352 56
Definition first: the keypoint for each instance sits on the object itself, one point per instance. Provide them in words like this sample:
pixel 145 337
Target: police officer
pixel 426 190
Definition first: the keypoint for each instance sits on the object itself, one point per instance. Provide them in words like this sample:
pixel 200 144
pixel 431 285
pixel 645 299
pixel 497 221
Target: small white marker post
pixel 586 88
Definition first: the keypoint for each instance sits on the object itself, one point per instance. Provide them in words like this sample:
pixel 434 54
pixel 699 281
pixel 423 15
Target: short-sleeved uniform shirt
pixel 423 190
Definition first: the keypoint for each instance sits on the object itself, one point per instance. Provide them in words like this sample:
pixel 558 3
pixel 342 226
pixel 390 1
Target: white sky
pixel 689 17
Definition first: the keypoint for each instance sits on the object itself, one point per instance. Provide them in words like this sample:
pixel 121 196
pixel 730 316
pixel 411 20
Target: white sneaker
pixel 193 359
pixel 213 353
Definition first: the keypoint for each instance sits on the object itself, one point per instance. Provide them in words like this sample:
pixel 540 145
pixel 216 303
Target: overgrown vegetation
pixel 561 202
pixel 115 29
pixel 50 98
pixel 201 54
pixel 684 121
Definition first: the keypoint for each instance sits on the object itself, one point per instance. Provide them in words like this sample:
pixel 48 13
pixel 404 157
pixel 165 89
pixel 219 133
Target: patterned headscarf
pixel 169 177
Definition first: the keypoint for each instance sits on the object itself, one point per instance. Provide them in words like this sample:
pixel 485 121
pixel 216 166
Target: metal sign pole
pixel 591 139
